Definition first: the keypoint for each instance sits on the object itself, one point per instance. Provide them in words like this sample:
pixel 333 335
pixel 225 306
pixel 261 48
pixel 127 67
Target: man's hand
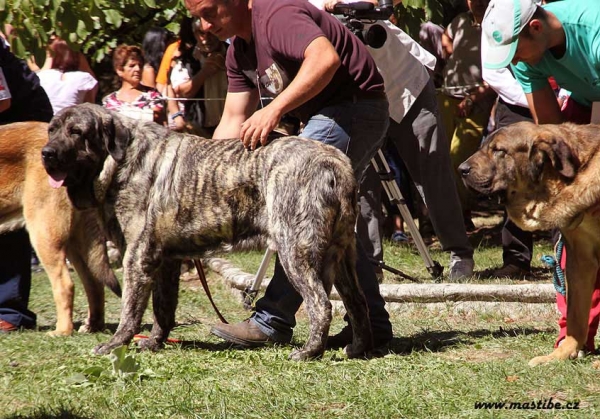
pixel 259 126
pixel 464 108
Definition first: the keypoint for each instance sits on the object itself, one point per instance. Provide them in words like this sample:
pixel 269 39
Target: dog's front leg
pixel 581 271
pixel 165 293
pixel 137 282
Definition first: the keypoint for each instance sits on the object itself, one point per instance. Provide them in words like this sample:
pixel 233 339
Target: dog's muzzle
pixel 56 177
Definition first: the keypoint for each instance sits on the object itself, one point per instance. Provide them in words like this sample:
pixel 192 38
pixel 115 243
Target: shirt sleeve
pixel 165 63
pixel 503 82
pixel 529 78
pixel 88 82
pixel 237 80
pixel 290 30
pixel 453 25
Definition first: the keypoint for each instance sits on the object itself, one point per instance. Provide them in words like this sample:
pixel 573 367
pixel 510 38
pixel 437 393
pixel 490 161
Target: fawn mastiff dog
pixel 165 196
pixel 549 177
pixel 56 230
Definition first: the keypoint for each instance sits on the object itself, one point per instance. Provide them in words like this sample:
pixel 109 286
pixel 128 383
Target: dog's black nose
pixel 464 169
pixel 48 154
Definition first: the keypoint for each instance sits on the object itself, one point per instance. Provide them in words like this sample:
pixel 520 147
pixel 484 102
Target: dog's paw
pixel 150 344
pixel 304 355
pixel 90 328
pixel 352 352
pixel 103 349
pixel 57 332
pixel 540 360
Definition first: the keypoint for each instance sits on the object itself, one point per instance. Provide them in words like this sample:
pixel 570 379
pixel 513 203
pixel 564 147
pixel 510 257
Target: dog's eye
pixel 76 131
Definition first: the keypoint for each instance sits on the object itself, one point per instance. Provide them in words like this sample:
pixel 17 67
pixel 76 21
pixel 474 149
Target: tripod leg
pixel 251 292
pixel 395 196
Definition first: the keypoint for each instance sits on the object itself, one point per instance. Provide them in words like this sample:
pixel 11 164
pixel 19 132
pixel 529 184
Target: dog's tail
pixel 337 185
pixel 91 253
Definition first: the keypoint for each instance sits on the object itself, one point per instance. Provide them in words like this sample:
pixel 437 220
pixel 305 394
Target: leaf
pixel 82 30
pixel 123 364
pixel 113 17
pixel 17 47
pixel 93 372
pixel 76 379
pixel 150 3
pixel 2 5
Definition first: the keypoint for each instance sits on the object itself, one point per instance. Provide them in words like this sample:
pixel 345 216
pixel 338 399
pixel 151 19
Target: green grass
pixel 443 360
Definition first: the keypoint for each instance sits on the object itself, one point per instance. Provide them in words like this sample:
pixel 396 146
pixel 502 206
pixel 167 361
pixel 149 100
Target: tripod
pixel 395 197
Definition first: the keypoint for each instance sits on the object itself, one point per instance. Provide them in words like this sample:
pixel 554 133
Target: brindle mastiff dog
pixel 165 196
pixel 549 177
pixel 57 231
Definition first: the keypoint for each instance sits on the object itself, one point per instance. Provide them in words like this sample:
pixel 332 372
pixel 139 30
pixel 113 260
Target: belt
pixel 520 110
pixel 369 95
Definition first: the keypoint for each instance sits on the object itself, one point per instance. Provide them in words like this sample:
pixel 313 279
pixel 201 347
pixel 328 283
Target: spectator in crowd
pixel 512 107
pixel 64 84
pixel 321 73
pixel 198 72
pixel 84 65
pixel 21 99
pixel 559 40
pixel 416 131
pixel 154 45
pixel 466 100
pixel 133 98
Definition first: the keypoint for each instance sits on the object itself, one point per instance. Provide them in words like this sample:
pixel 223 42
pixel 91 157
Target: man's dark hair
pixel 539 14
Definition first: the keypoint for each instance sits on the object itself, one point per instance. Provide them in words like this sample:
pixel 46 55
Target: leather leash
pixel 202 276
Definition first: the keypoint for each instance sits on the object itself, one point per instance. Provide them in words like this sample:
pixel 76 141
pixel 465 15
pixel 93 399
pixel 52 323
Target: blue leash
pixel 554 263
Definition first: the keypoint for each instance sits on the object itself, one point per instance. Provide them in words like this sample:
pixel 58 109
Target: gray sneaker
pixel 461 269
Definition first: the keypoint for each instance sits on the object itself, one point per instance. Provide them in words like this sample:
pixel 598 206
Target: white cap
pixel 502 23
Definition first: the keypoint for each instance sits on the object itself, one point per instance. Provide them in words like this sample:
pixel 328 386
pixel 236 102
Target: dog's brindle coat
pixel 56 230
pixel 165 196
pixel 548 176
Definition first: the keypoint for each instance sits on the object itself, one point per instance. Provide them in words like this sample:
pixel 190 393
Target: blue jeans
pixel 357 128
pixel 15 279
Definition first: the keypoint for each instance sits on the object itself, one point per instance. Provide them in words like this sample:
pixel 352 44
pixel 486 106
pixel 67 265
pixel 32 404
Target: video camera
pixel 355 15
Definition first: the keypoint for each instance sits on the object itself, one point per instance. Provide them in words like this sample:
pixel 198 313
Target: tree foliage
pixel 94 27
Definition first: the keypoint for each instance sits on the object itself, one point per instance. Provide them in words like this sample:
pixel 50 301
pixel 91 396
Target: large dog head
pixel 80 139
pixel 528 166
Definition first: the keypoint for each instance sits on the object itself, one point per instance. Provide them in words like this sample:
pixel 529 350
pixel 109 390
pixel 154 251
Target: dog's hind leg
pixel 346 283
pixel 165 293
pixel 303 272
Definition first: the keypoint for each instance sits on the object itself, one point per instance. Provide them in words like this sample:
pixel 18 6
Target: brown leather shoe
pixel 6 327
pixel 244 333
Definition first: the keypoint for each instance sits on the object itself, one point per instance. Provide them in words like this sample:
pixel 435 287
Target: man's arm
pixel 544 106
pixel 319 65
pixel 238 107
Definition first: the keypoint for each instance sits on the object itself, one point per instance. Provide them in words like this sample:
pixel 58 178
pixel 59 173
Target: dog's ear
pixel 557 152
pixel 116 136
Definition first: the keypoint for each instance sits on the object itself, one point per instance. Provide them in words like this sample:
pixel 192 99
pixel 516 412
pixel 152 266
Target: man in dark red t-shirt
pixel 317 70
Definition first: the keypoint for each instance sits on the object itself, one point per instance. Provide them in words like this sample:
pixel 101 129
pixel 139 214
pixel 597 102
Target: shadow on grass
pixel 50 413
pixel 432 341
